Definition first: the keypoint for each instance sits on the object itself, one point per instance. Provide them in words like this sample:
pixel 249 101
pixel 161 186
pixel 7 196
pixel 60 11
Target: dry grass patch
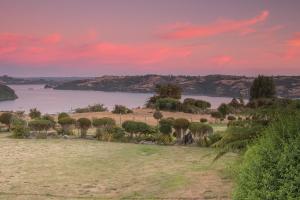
pixel 82 169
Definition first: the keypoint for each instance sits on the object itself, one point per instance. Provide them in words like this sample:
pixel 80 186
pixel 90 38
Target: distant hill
pixel 211 85
pixel 6 93
pixel 36 80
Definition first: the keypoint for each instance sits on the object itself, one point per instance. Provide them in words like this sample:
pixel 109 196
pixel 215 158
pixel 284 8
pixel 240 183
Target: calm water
pixel 54 101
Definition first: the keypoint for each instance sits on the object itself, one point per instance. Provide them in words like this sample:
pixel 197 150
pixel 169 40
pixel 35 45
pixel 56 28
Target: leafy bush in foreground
pixel 19 128
pixel 270 170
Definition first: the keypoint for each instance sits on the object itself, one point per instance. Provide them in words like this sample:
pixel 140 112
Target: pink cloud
pixel 222 60
pixel 186 30
pixel 52 49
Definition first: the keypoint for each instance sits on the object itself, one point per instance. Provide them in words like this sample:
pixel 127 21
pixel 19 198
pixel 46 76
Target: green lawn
pixel 85 169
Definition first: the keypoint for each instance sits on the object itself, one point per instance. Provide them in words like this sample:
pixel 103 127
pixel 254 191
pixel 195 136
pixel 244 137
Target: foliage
pixel 84 124
pixel 191 105
pixel 262 87
pixel 5 118
pixel 200 130
pixel 216 115
pixel 120 109
pixel 62 115
pixel 181 125
pixel 136 127
pixel 270 168
pixel 40 125
pixel 104 122
pixel 165 126
pixel 169 104
pixel 224 109
pixel 92 108
pixel 168 91
pixel 203 120
pixel 238 136
pixel 34 113
pixel 19 128
pixel 49 118
pixel 67 123
pixel 231 118
pixel 157 115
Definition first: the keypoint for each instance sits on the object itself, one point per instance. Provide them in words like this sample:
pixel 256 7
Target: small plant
pixel 84 124
pixel 181 125
pixel 231 118
pixel 157 115
pixel 120 109
pixel 92 108
pixel 203 120
pixel 67 123
pixel 40 125
pixel 34 113
pixel 5 118
pixel 62 115
pixel 19 128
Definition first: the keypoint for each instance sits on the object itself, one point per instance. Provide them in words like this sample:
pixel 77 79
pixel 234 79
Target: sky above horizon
pixel 129 37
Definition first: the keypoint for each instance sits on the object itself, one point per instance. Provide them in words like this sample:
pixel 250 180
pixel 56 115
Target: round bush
pixel 231 118
pixel 157 115
pixel 104 122
pixel 203 120
pixel 84 123
pixel 63 115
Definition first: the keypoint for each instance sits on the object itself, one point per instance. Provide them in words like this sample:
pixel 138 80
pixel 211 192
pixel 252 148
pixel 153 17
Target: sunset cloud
pixel 29 50
pixel 187 31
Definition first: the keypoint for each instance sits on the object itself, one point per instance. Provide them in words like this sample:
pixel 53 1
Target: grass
pixel 84 169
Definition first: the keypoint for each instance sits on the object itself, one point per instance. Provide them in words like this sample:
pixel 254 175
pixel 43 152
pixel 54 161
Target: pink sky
pixel 192 37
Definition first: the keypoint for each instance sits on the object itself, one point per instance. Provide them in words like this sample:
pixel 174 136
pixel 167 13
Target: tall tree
pixel 262 87
pixel 168 91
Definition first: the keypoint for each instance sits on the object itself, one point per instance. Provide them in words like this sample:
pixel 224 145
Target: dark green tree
pixel 262 87
pixel 169 91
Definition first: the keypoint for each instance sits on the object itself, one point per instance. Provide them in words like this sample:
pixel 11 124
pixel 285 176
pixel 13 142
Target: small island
pixel 6 93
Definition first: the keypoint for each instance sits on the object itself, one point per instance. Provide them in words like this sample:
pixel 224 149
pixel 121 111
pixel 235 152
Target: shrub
pixel 157 115
pixel 191 105
pixel 165 126
pixel 270 168
pixel 104 122
pixel 67 123
pixel 92 108
pixel 40 125
pixel 203 120
pixel 63 115
pixel 231 118
pixel 5 118
pixel 134 127
pixel 181 125
pixel 120 109
pixel 168 104
pixel 84 124
pixel 216 115
pixel 118 133
pixel 34 113
pixel 49 118
pixel 200 130
pixel 224 109
pixel 19 128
